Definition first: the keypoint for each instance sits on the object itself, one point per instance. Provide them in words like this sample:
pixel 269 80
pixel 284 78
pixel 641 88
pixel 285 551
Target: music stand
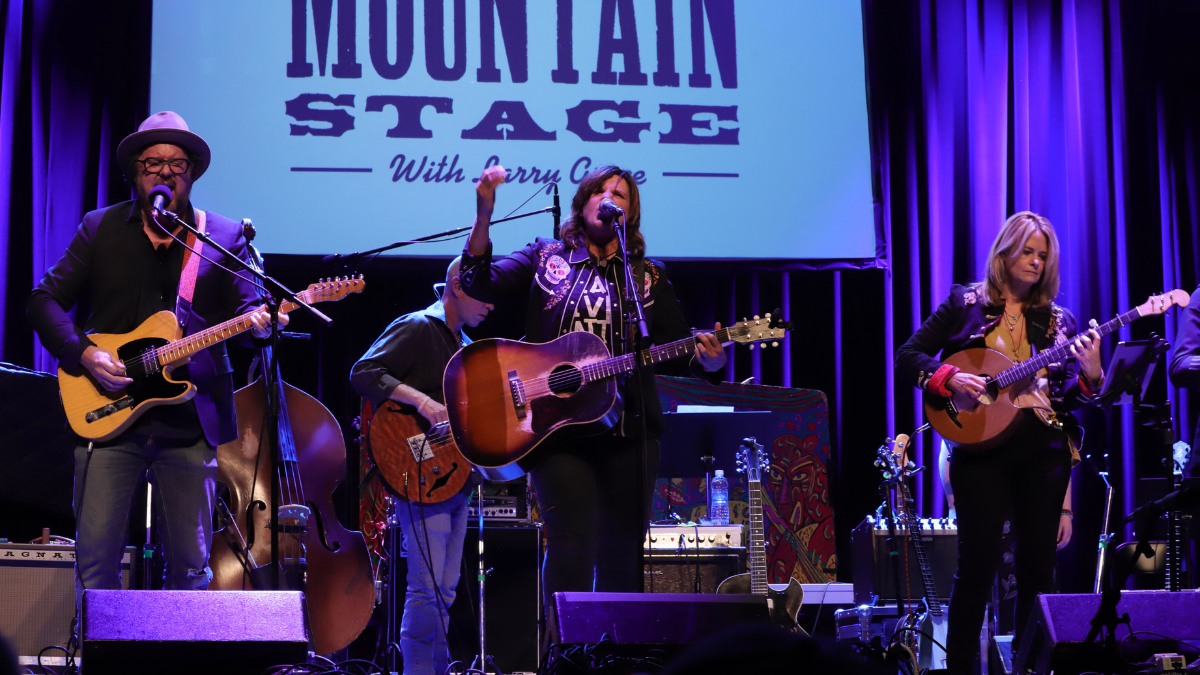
pixel 1130 371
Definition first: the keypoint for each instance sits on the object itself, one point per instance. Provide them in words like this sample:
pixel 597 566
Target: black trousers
pixel 1026 477
pixel 587 494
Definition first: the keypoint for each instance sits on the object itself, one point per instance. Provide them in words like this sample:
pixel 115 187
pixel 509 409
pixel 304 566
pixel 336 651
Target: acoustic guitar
pixel 150 352
pixel 417 462
pixel 783 600
pixel 988 422
pixel 505 397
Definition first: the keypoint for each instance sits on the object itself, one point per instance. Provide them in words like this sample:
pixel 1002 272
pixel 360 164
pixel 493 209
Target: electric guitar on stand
pixel 150 352
pixel 783 600
pixel 1181 459
pixel 927 624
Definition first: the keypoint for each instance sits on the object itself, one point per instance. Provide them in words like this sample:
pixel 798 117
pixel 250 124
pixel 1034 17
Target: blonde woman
pixel 1025 479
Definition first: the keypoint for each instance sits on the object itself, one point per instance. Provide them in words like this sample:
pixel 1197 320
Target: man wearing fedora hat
pixel 118 270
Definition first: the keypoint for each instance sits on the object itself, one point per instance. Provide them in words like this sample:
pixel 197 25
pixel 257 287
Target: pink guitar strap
pixel 191 267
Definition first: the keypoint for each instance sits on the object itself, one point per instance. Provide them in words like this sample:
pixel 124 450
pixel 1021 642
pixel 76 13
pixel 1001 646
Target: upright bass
pixel 316 554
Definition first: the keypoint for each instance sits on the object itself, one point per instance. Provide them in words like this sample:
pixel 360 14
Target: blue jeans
pixel 184 478
pixel 433 539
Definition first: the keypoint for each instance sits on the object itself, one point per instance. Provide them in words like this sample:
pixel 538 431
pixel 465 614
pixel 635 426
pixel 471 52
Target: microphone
pixel 608 210
pixel 1178 499
pixel 160 196
pixel 557 212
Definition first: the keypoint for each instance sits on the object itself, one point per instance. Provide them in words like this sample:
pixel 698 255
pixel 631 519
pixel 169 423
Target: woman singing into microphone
pixel 588 488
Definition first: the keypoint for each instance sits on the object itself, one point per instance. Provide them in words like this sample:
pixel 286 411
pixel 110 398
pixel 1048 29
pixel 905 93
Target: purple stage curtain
pixel 75 81
pixel 1079 110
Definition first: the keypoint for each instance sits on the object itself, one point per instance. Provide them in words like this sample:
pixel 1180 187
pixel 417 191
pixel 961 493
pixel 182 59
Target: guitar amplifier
pixel 499 508
pixel 693 537
pixel 690 572
pixel 873 575
pixel 37 594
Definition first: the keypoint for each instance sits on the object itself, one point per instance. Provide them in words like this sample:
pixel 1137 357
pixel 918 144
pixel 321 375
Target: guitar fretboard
pixel 914 531
pixel 618 365
pixel 758 547
pixel 1060 352
pixel 185 347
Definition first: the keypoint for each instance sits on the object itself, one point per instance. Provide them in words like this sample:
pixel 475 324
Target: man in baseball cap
pixel 120 268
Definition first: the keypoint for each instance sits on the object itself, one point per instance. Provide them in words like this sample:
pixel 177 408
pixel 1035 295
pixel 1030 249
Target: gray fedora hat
pixel 163 127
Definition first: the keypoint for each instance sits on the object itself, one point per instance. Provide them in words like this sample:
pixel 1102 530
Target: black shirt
pixel 414 351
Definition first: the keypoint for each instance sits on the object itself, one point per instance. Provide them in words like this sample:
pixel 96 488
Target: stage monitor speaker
pixel 1059 624
pixel 651 618
pixel 513 607
pixel 37 594
pixel 231 632
pixel 677 572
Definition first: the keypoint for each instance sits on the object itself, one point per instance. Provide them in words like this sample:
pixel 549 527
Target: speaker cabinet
pixel 513 598
pixel 679 572
pixel 37 594
pixel 1059 624
pixel 232 632
pixel 872 569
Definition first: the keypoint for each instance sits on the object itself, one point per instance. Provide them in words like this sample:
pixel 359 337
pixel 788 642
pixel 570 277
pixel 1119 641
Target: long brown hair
pixel 572 230
pixel 1009 242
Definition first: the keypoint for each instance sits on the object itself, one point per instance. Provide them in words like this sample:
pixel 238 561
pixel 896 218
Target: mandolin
pixel 150 352
pixel 505 397
pixel 988 422
pixel 783 600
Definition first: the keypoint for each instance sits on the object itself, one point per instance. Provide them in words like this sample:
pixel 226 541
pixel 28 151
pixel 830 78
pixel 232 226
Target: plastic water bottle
pixel 720 499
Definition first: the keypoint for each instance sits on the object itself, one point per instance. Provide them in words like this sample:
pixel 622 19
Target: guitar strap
pixel 187 277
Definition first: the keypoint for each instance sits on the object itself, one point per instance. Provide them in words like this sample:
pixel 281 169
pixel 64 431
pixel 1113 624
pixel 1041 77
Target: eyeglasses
pixel 156 165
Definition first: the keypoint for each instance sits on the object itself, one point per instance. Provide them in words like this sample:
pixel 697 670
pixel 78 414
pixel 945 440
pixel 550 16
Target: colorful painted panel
pixel 797 513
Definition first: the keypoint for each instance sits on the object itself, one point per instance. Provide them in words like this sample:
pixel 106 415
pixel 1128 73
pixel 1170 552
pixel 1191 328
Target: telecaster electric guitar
pixel 417 461
pixel 988 422
pixel 505 397
pixel 783 600
pixel 150 353
pixel 927 626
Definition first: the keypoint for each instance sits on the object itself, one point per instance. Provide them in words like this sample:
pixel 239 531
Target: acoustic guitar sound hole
pixel 565 380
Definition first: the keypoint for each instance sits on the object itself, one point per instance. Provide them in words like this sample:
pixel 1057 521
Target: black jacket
pixel 964 320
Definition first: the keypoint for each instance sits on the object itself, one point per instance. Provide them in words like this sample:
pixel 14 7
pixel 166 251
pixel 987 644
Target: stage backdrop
pixel 343 125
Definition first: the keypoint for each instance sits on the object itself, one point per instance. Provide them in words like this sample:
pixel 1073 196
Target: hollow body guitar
pixel 988 422
pixel 505 397
pixel 150 353
pixel 417 461
pixel 783 600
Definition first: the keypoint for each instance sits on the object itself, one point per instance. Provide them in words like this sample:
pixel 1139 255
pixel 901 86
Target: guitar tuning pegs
pixel 751 347
pixel 767 315
pixel 756 317
pixel 775 343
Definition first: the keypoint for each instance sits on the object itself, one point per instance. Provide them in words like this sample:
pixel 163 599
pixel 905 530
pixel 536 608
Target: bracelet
pixel 1068 512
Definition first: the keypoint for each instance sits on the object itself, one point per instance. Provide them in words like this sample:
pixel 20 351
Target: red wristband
pixel 937 383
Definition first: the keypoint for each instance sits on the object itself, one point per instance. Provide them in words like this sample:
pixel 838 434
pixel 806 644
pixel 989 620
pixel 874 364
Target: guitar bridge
pixel 518 393
pixel 115 406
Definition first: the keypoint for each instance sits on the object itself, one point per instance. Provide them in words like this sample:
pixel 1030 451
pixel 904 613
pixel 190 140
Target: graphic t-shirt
pixel 598 305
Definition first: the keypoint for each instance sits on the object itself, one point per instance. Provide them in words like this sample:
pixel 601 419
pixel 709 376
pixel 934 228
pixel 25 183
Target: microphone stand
pixel 347 258
pixel 634 343
pixel 274 298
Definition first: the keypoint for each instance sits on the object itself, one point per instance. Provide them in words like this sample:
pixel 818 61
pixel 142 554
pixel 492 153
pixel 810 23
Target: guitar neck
pixel 185 347
pixel 619 365
pixel 1060 352
pixel 914 532
pixel 758 546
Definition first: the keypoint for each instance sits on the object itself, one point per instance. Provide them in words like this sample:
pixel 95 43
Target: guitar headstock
pixel 1159 304
pixel 752 460
pixel 766 328
pixel 888 457
pixel 333 289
